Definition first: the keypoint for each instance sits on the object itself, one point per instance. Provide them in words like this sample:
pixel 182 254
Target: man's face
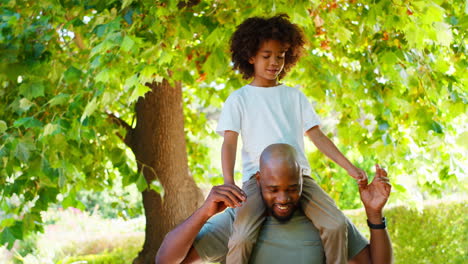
pixel 280 187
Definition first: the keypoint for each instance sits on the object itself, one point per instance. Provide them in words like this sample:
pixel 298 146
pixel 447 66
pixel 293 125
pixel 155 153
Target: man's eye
pixel 280 57
pixel 266 57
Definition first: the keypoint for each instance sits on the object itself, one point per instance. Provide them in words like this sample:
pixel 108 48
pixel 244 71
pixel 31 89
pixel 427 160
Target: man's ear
pixel 251 60
pixel 257 176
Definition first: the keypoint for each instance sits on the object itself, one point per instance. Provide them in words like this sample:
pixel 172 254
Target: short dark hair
pixel 246 41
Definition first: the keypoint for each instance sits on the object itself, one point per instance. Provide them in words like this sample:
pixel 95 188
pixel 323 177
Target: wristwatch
pixel 383 225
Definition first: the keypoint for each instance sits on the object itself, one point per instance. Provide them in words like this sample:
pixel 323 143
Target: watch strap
pixel 383 225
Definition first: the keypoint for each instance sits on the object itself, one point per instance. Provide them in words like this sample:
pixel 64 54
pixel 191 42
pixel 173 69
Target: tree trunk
pixel 158 142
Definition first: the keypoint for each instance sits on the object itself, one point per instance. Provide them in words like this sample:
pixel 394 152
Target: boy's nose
pixel 274 61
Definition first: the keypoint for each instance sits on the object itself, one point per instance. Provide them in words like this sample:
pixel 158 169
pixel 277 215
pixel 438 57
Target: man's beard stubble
pixel 270 211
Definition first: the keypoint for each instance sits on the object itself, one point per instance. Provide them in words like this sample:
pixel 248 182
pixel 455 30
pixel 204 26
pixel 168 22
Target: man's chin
pixel 283 218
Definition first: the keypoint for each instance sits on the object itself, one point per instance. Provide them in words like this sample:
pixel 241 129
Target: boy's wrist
pixel 229 180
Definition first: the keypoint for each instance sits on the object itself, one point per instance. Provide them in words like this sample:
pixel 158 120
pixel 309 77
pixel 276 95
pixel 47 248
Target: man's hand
pixel 221 197
pixel 375 195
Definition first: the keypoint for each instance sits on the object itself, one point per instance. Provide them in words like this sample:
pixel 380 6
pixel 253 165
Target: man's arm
pixel 177 245
pixel 228 156
pixel 327 147
pixel 374 196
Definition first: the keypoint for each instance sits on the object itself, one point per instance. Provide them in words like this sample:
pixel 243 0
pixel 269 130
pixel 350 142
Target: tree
pixel 75 75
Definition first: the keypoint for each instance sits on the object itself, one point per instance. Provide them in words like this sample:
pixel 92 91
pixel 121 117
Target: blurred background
pixel 108 111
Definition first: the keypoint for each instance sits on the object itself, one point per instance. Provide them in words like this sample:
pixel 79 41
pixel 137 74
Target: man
pixel 280 182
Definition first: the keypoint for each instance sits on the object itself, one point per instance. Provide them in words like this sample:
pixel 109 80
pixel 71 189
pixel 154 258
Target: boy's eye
pixel 266 57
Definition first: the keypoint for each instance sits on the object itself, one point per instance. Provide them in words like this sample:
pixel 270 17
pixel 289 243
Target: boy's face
pixel 268 63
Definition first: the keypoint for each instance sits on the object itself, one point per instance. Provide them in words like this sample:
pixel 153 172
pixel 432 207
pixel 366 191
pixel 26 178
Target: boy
pixel 266 112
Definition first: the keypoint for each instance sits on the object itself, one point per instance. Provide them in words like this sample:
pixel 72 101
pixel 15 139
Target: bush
pixel 435 234
pixel 75 235
pixel 118 256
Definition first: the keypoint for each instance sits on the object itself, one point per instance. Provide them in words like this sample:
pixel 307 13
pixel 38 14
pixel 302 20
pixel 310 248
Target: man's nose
pixel 283 197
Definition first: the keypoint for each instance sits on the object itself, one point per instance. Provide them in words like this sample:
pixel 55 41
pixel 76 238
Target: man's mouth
pixel 283 208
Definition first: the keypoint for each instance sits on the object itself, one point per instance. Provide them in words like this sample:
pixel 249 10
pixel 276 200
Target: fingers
pixel 379 171
pixel 230 195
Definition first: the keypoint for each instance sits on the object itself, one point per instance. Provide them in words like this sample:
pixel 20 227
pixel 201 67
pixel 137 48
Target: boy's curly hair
pixel 246 41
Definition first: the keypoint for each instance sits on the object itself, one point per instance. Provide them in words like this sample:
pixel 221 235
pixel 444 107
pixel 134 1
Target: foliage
pixel 435 234
pixel 75 234
pixel 392 72
pixel 114 202
pixel 118 256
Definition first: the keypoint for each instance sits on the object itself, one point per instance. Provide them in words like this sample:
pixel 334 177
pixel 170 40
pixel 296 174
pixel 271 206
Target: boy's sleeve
pixel 230 118
pixel 309 116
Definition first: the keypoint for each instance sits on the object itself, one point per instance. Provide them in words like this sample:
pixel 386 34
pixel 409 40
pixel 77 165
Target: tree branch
pixel 128 140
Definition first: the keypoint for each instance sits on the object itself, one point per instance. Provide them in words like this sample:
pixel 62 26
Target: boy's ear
pixel 251 60
pixel 257 176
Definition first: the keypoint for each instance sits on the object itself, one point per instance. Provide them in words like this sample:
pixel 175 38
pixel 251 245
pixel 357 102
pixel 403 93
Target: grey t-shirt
pixel 296 241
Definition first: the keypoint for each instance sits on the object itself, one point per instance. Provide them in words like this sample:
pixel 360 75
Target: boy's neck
pixel 265 85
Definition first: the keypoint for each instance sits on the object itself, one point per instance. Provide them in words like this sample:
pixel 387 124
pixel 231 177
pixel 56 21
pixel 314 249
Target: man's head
pixel 280 180
pixel 251 35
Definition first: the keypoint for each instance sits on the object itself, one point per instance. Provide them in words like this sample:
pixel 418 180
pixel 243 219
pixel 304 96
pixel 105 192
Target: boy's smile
pixel 268 63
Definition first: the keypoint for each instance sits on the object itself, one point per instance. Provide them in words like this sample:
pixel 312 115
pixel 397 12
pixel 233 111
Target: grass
pixel 435 234
pixel 72 236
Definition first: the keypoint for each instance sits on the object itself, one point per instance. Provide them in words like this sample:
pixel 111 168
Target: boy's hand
pixel 358 174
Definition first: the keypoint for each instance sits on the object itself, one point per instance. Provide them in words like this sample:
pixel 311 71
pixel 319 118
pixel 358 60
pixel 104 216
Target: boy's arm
pixel 228 155
pixel 327 147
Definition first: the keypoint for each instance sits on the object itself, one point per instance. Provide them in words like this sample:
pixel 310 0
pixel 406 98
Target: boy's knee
pixel 338 225
pixel 241 240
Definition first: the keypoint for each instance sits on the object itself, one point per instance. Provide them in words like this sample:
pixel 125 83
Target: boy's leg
pixel 329 220
pixel 249 218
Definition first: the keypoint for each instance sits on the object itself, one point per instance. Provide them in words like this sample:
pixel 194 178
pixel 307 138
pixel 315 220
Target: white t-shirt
pixel 265 116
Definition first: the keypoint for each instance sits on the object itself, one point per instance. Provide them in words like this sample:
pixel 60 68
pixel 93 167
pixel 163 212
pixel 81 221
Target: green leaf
pixel 444 33
pixel 7 222
pixel 27 122
pixel 343 34
pixel 22 151
pixel 127 43
pixel 399 187
pixel 141 183
pixel 103 76
pixel 89 109
pixel 436 127
pixel 32 90
pixel 72 74
pixel 59 99
pixel 49 129
pixel 139 90
pixel 25 104
pixel 69 201
pixel 3 126
pixel 12 233
pixel 126 3
pixel 157 187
